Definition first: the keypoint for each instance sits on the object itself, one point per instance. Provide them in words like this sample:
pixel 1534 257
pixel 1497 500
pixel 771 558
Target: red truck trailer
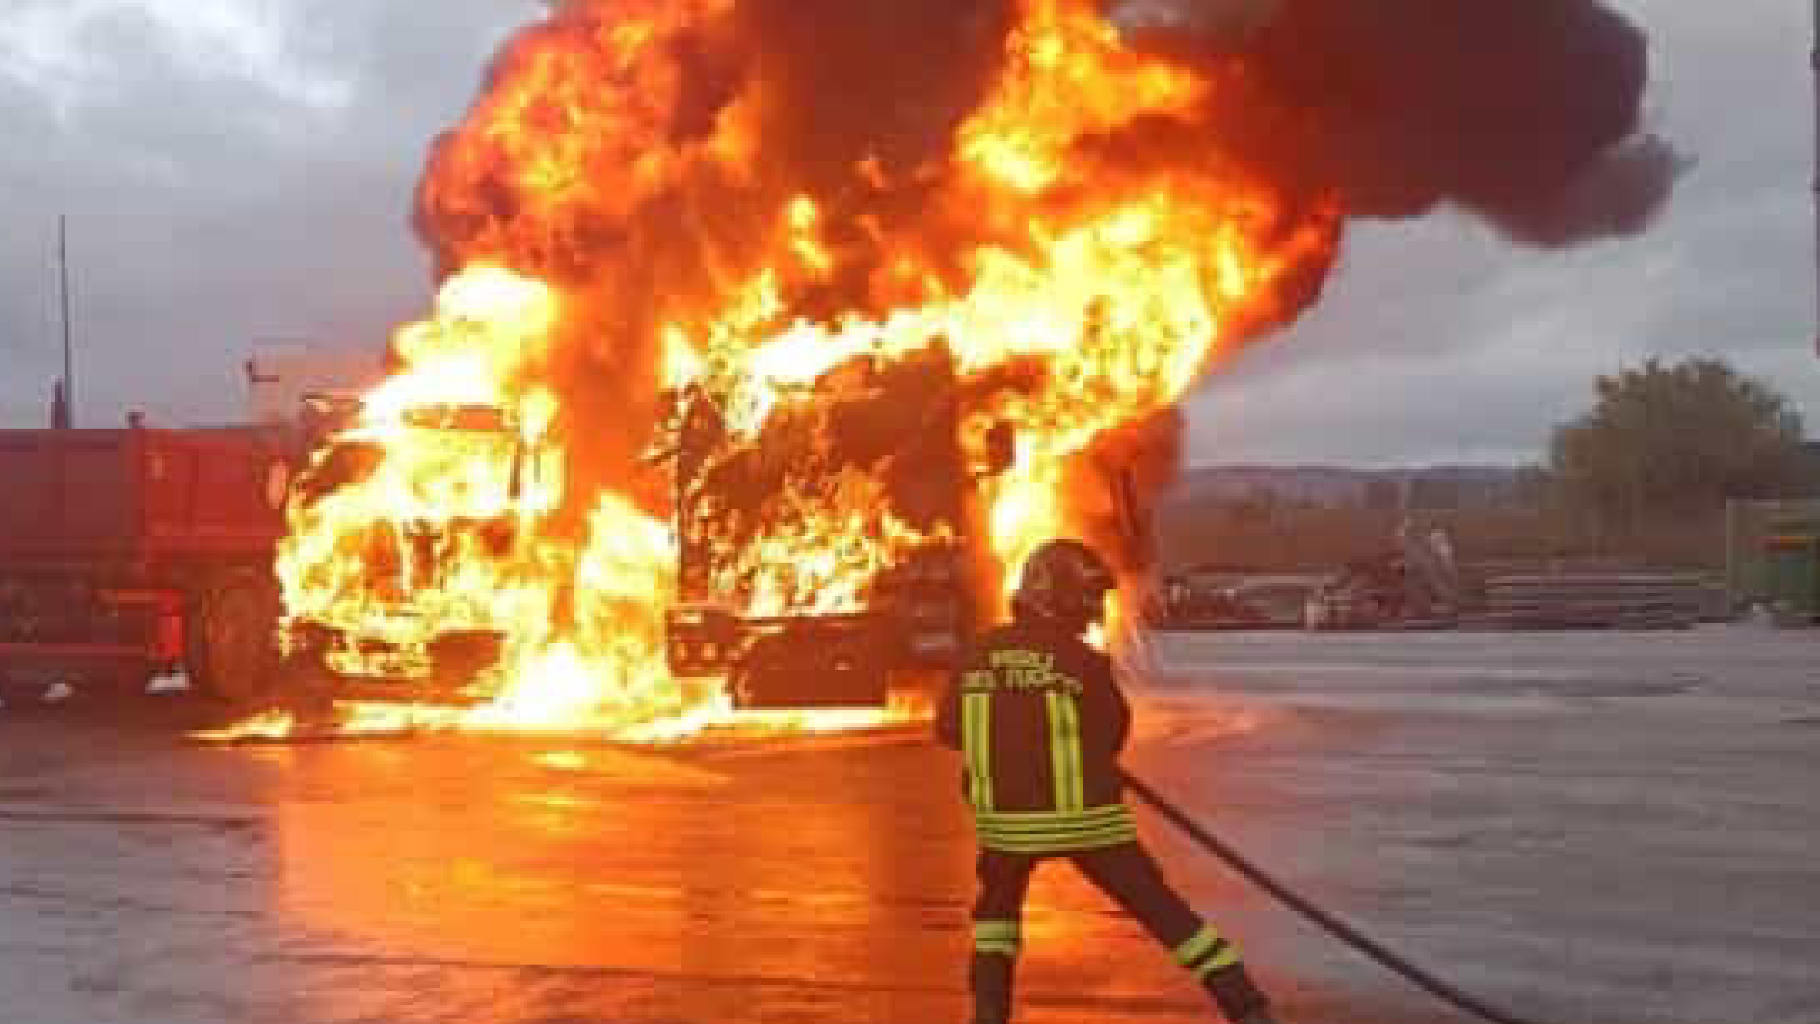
pixel 129 554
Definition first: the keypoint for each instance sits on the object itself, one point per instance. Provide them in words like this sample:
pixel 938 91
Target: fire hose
pixel 1335 927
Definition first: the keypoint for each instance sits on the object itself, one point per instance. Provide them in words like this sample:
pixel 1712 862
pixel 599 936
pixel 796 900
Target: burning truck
pixel 818 542
pixel 414 632
pixel 826 551
pixel 830 529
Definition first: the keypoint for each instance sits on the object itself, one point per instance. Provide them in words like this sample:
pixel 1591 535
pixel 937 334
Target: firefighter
pixel 1040 721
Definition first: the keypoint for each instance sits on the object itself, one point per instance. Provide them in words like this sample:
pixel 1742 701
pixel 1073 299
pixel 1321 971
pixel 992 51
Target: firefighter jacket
pixel 1039 720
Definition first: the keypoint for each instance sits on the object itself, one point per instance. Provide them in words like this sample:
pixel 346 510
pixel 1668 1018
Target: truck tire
pixel 230 641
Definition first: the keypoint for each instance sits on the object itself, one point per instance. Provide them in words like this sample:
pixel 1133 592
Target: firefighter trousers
pixel 1131 878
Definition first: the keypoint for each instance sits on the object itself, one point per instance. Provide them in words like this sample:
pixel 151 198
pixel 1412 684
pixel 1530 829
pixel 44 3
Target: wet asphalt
pixel 1587 828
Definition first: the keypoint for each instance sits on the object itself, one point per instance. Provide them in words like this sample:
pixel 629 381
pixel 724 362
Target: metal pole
pixel 69 367
pixel 1732 566
pixel 1816 66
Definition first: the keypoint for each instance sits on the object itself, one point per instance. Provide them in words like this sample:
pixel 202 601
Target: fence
pixel 1600 600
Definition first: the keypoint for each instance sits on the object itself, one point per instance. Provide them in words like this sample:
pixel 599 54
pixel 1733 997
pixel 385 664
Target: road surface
pixel 1589 829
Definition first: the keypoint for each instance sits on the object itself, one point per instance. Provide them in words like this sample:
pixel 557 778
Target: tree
pixel 1670 441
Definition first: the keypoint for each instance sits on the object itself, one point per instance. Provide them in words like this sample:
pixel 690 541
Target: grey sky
pixel 1438 341
pixel 234 170
pixel 242 169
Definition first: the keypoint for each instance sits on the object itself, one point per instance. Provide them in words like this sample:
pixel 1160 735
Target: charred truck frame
pixel 748 607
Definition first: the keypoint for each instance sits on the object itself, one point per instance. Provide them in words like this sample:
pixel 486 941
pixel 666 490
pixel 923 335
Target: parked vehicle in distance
pixel 1222 600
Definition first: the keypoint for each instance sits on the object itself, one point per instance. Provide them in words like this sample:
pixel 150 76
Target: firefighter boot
pixel 1237 997
pixel 990 978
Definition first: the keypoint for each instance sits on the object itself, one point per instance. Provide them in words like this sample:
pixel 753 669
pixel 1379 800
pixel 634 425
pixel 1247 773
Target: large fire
pixel 1060 290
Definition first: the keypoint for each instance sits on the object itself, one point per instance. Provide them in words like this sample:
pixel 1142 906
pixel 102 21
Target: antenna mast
pixel 69 368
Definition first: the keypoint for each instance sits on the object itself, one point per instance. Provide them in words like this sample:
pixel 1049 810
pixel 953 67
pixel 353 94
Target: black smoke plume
pixel 1525 112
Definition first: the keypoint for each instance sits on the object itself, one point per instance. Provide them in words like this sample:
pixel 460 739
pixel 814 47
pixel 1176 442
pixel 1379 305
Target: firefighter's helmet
pixel 1065 582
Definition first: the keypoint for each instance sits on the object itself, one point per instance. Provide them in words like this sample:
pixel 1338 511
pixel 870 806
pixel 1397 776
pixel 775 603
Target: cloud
pixel 58 46
pixel 234 170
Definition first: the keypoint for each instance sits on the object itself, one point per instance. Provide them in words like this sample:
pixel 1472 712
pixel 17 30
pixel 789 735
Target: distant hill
pixel 1334 485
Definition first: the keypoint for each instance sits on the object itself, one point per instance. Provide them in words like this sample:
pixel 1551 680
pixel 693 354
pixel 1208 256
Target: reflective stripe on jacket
pixel 1039 720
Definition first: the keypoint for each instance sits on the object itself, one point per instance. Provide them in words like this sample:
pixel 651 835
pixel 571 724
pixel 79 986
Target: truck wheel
pixel 230 642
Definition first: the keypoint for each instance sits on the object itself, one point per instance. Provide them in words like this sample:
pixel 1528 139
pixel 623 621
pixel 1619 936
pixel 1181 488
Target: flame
pixel 1046 292
pixel 1069 76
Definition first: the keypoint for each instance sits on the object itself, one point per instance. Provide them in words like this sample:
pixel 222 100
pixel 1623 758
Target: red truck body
pixel 115 545
pixel 138 496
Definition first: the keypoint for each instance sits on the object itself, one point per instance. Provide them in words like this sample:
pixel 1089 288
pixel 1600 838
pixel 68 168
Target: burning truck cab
pixel 382 609
pixel 822 526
